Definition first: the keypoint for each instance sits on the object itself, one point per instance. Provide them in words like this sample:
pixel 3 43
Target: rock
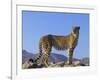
pixel 31 64
pixel 85 61
pixel 27 64
pixel 76 63
pixel 58 64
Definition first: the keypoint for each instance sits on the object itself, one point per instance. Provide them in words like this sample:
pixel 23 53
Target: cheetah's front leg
pixel 70 56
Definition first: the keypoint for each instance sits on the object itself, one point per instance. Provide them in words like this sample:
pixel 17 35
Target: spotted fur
pixel 67 42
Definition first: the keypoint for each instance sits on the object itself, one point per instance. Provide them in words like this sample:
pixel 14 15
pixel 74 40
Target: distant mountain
pixel 26 56
pixel 53 57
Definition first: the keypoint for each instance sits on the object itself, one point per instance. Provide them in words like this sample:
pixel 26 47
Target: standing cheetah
pixel 67 42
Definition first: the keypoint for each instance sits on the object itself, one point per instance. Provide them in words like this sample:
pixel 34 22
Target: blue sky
pixel 38 24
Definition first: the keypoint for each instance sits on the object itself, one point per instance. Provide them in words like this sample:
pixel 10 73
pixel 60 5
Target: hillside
pixel 55 60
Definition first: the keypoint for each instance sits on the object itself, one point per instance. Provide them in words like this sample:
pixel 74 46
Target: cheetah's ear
pixel 78 27
pixel 73 27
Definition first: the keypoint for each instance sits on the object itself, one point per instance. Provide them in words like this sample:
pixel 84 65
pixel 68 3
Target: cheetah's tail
pixel 40 49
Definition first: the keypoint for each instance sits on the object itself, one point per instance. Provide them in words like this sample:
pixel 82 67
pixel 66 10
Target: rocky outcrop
pixel 55 60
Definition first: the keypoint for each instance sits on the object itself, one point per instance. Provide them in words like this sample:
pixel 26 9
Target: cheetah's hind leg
pixel 45 60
